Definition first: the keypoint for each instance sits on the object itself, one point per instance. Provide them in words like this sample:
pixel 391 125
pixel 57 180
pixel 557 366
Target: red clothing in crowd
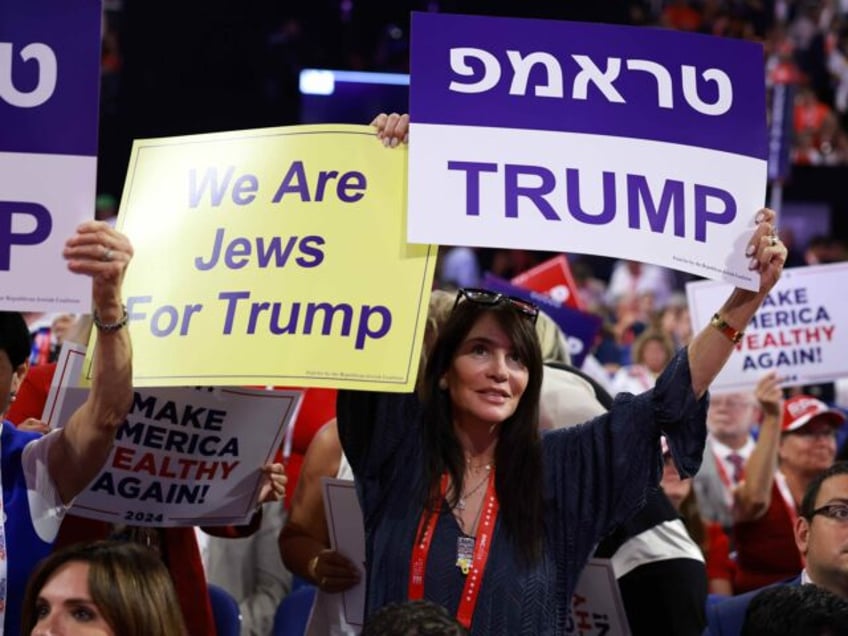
pixel 32 394
pixel 318 408
pixel 765 548
pixel 719 563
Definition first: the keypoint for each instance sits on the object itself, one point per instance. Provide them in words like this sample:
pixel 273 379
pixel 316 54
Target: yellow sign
pixel 273 256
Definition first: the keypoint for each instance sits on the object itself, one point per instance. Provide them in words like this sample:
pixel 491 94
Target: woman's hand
pixel 100 251
pixel 769 395
pixel 273 487
pixel 32 425
pixel 711 347
pixel 768 254
pixel 332 571
pixel 392 129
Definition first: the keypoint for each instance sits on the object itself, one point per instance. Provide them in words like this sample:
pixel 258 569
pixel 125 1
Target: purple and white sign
pixel 580 328
pixel 49 92
pixel 632 142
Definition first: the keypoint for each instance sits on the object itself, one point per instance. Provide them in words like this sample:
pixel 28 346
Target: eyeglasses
pixel 486 297
pixel 837 512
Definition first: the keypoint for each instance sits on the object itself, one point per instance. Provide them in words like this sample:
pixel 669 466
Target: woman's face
pixel 654 356
pixel 64 606
pixel 486 378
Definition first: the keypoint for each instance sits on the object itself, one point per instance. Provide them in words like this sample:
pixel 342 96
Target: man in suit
pixel 729 445
pixel 821 533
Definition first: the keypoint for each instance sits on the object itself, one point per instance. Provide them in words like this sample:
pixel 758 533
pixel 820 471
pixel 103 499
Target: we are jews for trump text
pixel 242 312
pixel 192 449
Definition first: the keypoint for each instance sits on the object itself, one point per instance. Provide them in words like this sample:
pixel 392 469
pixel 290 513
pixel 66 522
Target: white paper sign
pixel 799 332
pixel 69 367
pixel 185 456
pixel 347 536
pixel 49 79
pixel 596 607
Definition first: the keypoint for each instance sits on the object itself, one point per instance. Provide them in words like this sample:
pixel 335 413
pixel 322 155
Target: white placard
pixel 799 331
pixel 596 607
pixel 347 537
pixel 184 456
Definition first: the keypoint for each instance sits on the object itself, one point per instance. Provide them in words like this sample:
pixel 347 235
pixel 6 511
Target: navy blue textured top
pixel 595 476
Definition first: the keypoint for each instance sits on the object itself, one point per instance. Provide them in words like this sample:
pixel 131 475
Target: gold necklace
pixel 463 498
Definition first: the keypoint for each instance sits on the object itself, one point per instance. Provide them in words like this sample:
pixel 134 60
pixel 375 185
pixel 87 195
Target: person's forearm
pixel 111 387
pixel 88 436
pixel 710 348
pixel 753 496
pixel 99 251
pixel 298 550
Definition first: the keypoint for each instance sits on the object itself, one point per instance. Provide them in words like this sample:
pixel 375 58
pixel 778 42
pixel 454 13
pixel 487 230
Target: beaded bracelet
pixel 734 335
pixel 109 327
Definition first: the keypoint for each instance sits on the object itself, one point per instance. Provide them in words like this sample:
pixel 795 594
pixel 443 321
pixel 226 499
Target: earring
pixel 443 384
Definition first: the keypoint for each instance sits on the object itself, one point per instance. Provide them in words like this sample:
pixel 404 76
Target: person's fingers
pixel 98 250
pixel 766 251
pixel 34 426
pixel 278 485
pixel 274 480
pixel 334 586
pixel 336 560
pixel 379 122
pixel 395 129
pixel 334 572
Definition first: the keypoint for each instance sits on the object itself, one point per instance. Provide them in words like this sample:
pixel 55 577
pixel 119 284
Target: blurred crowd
pixel 259 49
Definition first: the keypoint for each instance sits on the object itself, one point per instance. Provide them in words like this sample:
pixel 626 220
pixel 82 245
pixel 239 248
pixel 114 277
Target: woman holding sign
pixel 465 505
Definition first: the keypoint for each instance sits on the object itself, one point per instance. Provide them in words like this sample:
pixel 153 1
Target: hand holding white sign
pixel 713 345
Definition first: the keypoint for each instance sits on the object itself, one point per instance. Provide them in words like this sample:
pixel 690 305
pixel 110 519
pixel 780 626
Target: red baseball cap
pixel 799 410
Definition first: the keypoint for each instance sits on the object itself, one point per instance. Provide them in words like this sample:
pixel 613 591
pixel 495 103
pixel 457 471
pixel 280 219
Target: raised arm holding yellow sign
pixel 273 256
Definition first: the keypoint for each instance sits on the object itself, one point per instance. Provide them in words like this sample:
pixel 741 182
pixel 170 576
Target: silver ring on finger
pixel 107 254
pixel 773 240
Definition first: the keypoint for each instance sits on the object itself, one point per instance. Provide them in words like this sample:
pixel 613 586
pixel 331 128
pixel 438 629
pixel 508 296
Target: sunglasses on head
pixel 486 297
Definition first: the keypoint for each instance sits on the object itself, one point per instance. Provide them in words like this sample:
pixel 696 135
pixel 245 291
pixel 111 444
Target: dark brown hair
pixel 518 455
pixel 127 582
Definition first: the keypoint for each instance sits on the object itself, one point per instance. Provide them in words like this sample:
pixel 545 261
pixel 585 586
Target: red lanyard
pixel 483 543
pixel 789 502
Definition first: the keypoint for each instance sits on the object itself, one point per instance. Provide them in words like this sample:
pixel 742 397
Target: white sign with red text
pixel 798 332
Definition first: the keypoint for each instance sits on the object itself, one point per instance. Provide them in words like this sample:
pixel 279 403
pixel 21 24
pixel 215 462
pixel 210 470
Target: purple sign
pixel 49 76
pixel 579 327
pixel 636 82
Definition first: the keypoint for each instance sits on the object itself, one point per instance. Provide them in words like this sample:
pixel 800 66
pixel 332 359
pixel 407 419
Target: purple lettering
pixel 572 180
pixel 639 192
pixel 293 182
pixel 232 299
pixel 512 190
pixel 350 187
pixel 364 331
pixel 472 182
pixel 209 182
pixel 310 250
pixel 43 225
pixel 703 215
pixel 237 254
